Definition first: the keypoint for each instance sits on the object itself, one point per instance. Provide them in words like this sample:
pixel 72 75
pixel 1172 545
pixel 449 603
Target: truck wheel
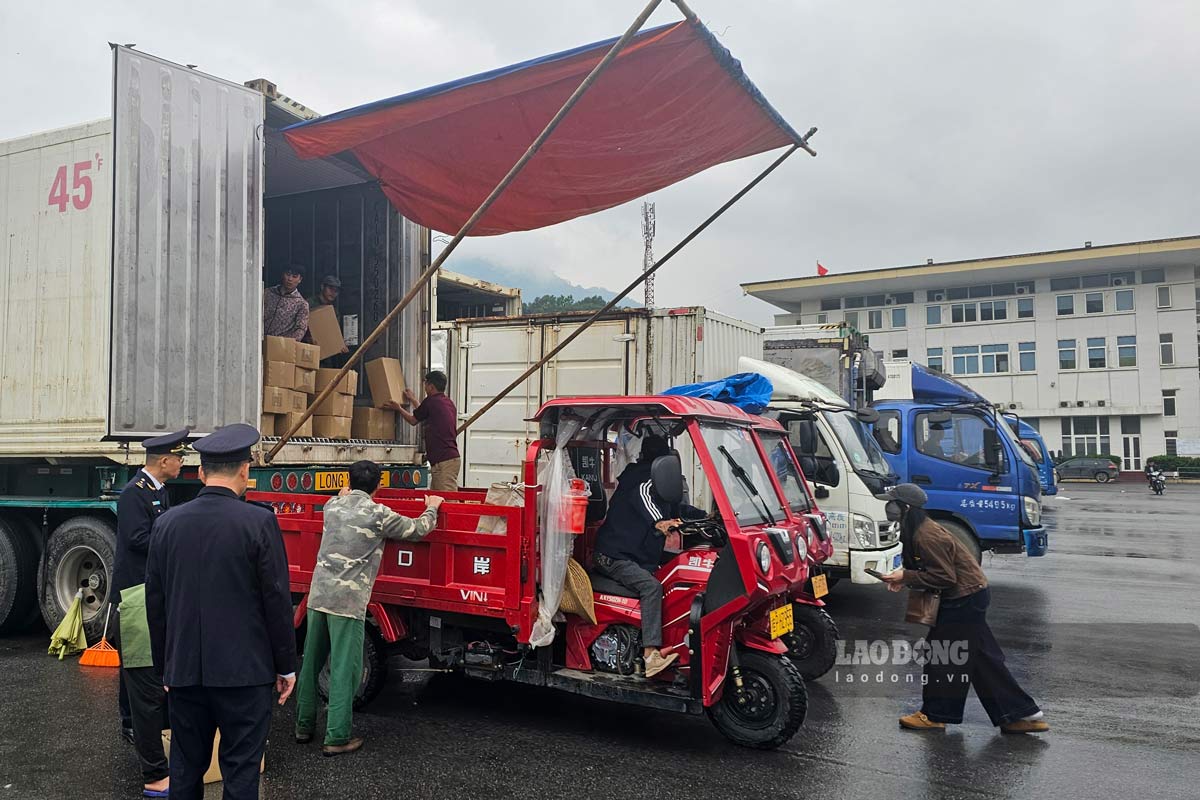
pixel 1101 477
pixel 79 555
pixel 374 670
pixel 965 536
pixel 812 644
pixel 769 708
pixel 18 576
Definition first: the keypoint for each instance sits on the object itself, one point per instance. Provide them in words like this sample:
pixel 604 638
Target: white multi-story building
pixel 1096 347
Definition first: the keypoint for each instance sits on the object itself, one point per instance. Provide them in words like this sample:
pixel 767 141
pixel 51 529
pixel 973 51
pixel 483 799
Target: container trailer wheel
pixel 374 670
pixel 79 555
pixel 18 575
pixel 770 706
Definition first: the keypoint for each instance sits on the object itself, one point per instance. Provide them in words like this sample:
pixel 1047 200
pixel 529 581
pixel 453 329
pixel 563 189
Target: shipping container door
pixel 489 358
pixel 599 362
pixel 187 249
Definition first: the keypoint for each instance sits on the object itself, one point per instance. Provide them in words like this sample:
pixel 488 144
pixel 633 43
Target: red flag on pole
pixel 821 271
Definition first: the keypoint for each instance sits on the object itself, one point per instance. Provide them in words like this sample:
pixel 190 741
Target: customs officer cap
pixel 228 445
pixel 168 444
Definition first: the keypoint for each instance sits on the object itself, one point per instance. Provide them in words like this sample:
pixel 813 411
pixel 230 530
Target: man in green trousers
pixel 356 529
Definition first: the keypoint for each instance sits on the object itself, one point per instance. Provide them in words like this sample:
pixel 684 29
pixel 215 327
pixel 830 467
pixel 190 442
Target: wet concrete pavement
pixel 1100 631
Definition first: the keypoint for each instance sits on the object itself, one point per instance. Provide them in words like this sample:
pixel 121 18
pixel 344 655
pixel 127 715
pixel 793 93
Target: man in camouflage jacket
pixel 356 529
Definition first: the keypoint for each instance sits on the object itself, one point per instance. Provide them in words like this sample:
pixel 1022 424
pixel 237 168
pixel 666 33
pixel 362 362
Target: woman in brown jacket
pixel 963 650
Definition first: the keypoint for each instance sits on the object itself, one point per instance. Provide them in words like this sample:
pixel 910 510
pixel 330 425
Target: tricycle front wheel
pixel 812 644
pixel 769 707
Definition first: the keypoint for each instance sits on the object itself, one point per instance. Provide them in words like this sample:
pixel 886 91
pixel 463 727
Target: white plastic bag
pixel 555 543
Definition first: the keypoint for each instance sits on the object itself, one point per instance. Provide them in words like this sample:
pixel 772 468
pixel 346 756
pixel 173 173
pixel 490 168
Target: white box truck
pixel 133 255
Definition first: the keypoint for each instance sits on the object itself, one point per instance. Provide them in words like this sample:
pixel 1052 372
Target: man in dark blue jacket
pixel 629 545
pixel 220 617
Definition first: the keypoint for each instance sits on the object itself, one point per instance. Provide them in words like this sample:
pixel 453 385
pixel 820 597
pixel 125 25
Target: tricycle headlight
pixel 764 557
pixel 865 532
pixel 1033 511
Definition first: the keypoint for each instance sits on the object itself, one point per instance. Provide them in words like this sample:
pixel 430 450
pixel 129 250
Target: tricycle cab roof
pixel 649 405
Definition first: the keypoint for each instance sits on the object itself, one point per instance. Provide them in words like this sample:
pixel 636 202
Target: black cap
pixel 167 444
pixel 908 493
pixel 331 280
pixel 228 445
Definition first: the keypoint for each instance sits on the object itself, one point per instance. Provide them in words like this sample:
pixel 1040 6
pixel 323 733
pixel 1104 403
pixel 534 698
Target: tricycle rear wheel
pixel 768 709
pixel 812 644
pixel 374 670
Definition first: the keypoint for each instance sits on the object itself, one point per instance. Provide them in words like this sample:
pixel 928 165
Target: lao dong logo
pixel 900 653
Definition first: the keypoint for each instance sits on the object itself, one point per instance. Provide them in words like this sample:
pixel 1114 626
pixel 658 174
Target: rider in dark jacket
pixel 629 545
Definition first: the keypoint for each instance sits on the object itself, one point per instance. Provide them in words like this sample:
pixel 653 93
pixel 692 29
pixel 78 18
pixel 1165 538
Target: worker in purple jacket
pixel 440 417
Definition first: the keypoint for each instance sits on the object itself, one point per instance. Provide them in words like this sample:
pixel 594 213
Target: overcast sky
pixel 947 129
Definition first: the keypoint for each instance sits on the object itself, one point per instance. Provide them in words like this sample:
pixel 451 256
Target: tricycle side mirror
pixel 991 449
pixel 667 474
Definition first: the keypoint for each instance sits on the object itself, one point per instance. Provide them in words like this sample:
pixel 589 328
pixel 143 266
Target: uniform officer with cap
pixel 142 702
pixel 220 618
pixel 142 500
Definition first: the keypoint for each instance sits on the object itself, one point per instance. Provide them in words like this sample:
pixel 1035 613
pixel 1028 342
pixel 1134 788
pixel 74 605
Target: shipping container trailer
pixel 628 351
pixel 135 254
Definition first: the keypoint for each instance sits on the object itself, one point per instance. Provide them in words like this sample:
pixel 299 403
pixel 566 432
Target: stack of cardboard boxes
pixel 292 378
pixel 289 382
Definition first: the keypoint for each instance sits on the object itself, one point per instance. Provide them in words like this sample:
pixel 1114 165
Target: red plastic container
pixel 574 514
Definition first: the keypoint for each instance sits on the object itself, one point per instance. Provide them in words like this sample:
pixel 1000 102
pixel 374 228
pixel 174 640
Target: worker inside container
pixel 285 311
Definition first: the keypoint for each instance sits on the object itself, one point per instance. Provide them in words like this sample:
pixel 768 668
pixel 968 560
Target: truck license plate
pixel 820 586
pixel 781 621
pixel 897 561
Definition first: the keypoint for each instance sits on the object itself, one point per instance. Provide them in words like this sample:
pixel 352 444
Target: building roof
pixel 788 292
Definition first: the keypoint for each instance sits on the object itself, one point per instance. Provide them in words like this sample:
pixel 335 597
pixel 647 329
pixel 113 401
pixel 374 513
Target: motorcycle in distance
pixel 1156 480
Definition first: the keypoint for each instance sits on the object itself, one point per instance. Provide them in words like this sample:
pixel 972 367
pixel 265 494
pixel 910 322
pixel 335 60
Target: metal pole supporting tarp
pixel 504 183
pixel 637 281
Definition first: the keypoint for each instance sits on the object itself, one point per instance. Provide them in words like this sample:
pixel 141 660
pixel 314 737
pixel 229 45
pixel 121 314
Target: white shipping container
pixel 612 357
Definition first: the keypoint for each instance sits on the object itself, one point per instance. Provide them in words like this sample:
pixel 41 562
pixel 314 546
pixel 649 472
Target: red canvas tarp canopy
pixel 673 103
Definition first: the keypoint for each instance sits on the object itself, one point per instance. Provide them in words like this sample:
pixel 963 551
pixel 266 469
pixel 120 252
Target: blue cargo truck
pixel 1035 447
pixel 947 438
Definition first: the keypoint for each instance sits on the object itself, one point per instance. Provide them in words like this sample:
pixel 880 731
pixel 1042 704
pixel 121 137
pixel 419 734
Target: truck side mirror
pixel 867 415
pixel 822 493
pixel 991 449
pixel 667 475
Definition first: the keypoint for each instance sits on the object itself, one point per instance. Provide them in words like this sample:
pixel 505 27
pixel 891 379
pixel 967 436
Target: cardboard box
pixel 213 773
pixel 348 384
pixel 277 400
pixel 279 373
pixel 267 424
pixel 307 355
pixel 298 401
pixel 286 421
pixel 279 348
pixel 336 405
pixel 327 427
pixel 324 329
pixel 306 380
pixel 386 380
pixel 373 423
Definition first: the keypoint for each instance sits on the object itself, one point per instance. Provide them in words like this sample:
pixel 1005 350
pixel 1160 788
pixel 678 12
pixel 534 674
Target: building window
pixel 1066 354
pixel 1024 307
pixel 1153 276
pixel 855 302
pixel 1096 353
pixel 995 358
pixel 831 304
pixel 963 312
pixel 1126 351
pixel 899 317
pixel 1027 355
pixel 874 320
pixel 1094 302
pixel 1085 436
pixel 933 358
pixel 1166 349
pixel 822 319
pixel 933 315
pixel 1164 297
pixel 966 360
pixel 1066 305
pixel 1169 402
pixel 996 309
pixel 1063 284
pixel 901 353
pixel 1172 442
pixel 852 319
pixel 1125 300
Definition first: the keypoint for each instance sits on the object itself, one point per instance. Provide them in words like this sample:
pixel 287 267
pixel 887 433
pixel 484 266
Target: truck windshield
pixel 861 449
pixel 784 466
pixel 1008 434
pixel 1031 447
pixel 734 454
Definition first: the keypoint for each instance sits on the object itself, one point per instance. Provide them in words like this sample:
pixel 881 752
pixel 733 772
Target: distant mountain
pixel 531 284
